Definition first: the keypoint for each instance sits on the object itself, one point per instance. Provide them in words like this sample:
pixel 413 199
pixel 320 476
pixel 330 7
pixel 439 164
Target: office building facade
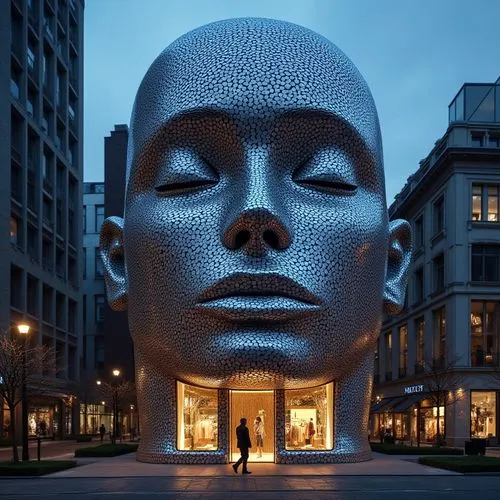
pixel 437 375
pixel 41 165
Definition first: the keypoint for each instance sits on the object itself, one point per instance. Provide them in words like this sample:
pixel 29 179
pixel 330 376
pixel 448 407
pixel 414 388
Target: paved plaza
pixel 125 478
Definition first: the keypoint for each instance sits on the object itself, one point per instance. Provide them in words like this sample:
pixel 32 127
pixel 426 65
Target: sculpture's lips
pixel 243 297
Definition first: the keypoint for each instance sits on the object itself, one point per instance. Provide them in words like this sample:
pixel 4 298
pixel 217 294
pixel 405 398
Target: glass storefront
pixel 92 416
pixel 483 415
pixel 41 421
pixel 309 418
pixel 197 418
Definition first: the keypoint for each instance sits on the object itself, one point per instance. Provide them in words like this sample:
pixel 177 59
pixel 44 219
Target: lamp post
pixel 116 374
pixel 24 330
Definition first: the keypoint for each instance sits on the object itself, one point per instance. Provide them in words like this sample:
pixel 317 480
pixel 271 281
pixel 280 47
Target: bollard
pixel 38 448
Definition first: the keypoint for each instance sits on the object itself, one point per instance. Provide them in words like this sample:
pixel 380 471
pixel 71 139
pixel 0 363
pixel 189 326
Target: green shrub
pixel 106 450
pixel 35 468
pixel 399 449
pixel 463 464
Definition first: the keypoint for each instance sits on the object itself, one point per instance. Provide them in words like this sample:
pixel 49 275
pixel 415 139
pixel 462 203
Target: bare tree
pixel 21 365
pixel 118 393
pixel 444 383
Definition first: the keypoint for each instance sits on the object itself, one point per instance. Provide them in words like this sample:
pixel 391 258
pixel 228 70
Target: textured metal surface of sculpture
pixel 255 250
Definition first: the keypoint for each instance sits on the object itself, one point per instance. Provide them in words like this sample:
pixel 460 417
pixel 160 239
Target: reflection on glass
pixel 476 202
pixel 483 414
pixel 197 418
pixel 309 418
pixel 493 203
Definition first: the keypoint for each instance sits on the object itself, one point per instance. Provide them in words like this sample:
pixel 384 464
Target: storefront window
pixel 197 417
pixel 483 417
pixel 429 422
pixel 94 415
pixel 309 418
pixel 41 421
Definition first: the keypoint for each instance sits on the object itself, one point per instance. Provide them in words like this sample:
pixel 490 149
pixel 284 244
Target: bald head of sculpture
pixel 255 250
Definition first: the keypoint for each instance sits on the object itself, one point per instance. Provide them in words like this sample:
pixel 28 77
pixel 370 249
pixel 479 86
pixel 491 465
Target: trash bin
pixel 475 446
pixel 480 446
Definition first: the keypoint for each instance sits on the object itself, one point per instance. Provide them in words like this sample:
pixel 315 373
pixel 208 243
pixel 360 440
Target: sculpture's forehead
pixel 253 67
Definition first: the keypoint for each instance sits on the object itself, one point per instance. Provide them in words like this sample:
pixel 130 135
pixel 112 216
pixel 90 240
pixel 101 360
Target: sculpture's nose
pixel 256 231
pixel 256 222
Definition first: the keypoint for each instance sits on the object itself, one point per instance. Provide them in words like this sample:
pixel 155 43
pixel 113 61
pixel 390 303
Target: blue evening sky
pixel 414 54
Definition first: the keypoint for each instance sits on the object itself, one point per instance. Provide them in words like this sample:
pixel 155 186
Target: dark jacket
pixel 243 436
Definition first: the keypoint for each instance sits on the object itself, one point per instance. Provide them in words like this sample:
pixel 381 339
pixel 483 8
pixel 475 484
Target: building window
pixel 99 267
pixel 419 233
pixel 403 350
pixel 483 414
pixel 99 308
pixel 420 354
pixel 419 285
pixel 438 211
pixel 99 217
pixel 477 140
pixel 14 230
pixel 309 418
pixel 494 141
pixel 485 202
pixel 388 356
pixel 485 263
pixel 439 334
pixel 198 418
pixel 438 271
pixel 484 326
pixel 376 362
pixel 84 263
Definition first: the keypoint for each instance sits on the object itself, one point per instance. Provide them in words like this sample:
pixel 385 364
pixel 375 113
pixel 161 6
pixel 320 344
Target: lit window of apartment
pixel 388 356
pixel 420 343
pixel 438 272
pixel 485 202
pixel 14 230
pixel 439 337
pixel 484 336
pixel 485 263
pixel 438 215
pixel 403 350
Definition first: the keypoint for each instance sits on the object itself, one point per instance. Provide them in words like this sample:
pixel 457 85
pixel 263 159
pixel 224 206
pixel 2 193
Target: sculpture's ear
pixel 398 264
pixel 113 258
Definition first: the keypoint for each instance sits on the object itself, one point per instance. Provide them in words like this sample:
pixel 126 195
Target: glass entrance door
pixel 253 404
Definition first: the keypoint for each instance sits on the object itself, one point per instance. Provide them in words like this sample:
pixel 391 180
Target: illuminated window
pixel 309 418
pixel 197 418
pixel 483 414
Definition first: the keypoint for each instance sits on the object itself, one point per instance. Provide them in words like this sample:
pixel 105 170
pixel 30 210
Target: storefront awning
pixel 408 402
pixel 386 404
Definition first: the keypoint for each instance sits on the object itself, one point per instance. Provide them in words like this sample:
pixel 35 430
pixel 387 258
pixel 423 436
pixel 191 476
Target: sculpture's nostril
pixel 271 238
pixel 241 238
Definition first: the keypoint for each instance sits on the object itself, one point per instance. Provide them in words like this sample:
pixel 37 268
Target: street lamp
pixel 116 374
pixel 24 330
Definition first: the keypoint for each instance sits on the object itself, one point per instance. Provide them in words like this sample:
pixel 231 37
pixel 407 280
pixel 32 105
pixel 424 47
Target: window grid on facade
pixel 99 217
pixel 438 271
pixel 485 263
pixel 484 326
pixel 388 356
pixel 403 350
pixel 419 232
pixel 438 215
pixel 439 344
pixel 420 339
pixel 485 202
pixel 419 285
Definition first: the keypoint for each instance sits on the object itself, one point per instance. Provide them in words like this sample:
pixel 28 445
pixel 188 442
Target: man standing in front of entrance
pixel 244 444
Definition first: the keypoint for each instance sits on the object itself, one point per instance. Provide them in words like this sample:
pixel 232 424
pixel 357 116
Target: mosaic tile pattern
pixel 255 251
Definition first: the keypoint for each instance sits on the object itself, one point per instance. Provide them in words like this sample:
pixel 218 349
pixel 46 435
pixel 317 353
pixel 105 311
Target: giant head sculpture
pixel 255 250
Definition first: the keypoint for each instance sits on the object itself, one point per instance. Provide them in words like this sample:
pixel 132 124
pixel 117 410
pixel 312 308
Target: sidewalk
pixel 127 466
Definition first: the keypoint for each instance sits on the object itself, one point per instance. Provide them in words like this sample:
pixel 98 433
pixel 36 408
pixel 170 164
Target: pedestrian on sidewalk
pixel 102 431
pixel 244 444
